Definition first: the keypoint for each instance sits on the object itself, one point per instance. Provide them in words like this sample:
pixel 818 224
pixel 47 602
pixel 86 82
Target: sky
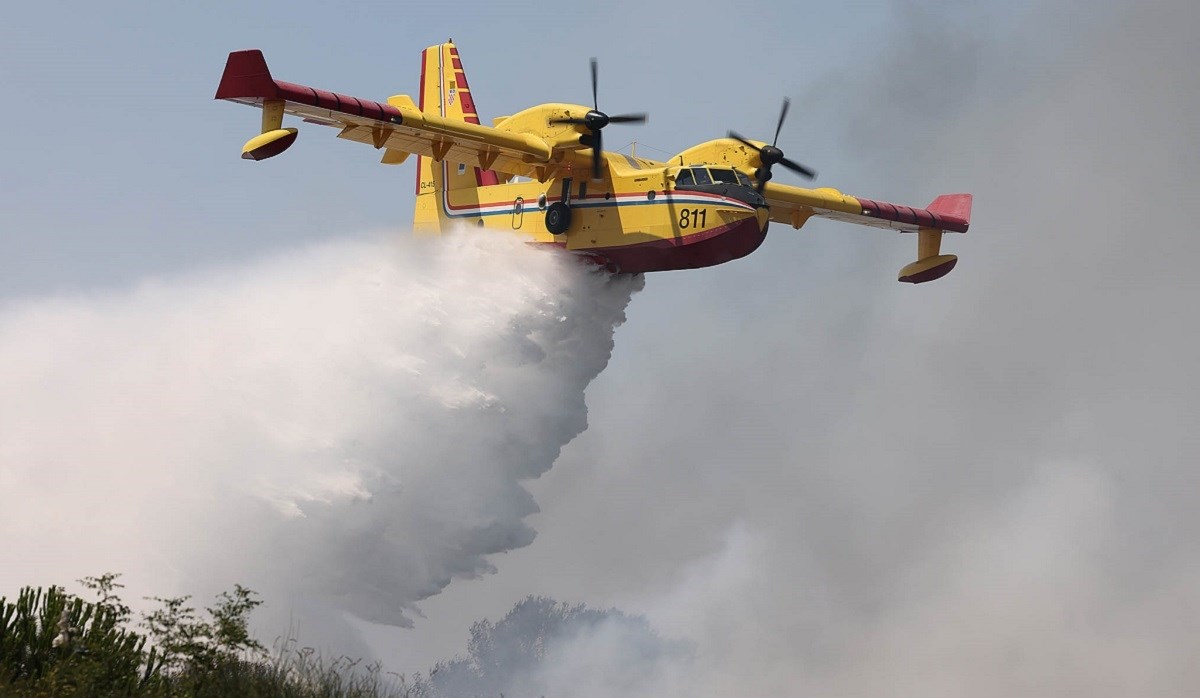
pixel 825 480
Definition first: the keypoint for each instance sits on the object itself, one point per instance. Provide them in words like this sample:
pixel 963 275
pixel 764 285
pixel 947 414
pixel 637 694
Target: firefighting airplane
pixel 543 173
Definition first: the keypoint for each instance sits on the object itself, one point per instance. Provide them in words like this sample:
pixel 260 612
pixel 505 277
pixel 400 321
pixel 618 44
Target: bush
pixel 192 645
pixel 53 643
pixel 56 644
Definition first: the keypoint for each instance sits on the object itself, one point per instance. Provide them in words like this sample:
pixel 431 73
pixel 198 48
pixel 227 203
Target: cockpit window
pixel 698 174
pixel 723 176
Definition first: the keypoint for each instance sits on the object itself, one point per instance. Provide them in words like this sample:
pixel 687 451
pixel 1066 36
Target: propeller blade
pixel 782 115
pixel 596 151
pixel 595 100
pixel 798 168
pixel 596 120
pixel 628 119
pixel 744 142
pixel 771 154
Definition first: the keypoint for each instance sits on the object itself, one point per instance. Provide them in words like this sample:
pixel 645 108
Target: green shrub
pixel 54 643
pixel 191 644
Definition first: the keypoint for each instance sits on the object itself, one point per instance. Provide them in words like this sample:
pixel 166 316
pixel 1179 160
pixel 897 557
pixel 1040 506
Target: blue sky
pixel 118 163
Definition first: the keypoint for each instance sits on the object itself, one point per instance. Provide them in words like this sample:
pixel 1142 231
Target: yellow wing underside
pixel 795 205
pixel 441 138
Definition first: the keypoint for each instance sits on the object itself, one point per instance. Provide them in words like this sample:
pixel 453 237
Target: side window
pixel 701 175
pixel 684 178
pixel 743 179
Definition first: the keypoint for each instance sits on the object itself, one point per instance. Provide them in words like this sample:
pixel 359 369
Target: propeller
pixel 595 121
pixel 772 155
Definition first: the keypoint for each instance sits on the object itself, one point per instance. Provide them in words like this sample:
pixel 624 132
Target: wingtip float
pixel 543 173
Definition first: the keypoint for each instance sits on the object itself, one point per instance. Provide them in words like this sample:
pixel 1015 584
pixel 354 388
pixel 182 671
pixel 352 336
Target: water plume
pixel 345 426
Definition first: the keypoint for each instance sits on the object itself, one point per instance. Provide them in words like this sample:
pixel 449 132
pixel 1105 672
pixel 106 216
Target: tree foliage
pixel 195 644
pixel 513 656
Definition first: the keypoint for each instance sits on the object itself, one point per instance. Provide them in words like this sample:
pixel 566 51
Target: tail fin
pixel 445 92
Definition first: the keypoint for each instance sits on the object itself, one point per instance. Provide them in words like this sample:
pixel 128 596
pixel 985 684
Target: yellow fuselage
pixel 638 217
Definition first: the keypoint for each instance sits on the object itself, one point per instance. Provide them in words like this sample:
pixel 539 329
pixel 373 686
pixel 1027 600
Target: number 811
pixel 693 218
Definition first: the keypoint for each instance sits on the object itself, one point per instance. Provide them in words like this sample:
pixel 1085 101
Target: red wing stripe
pixel 919 217
pixel 327 100
pixel 371 110
pixel 302 94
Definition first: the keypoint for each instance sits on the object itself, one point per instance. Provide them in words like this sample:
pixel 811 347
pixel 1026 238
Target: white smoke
pixel 345 426
pixel 543 647
pixel 983 486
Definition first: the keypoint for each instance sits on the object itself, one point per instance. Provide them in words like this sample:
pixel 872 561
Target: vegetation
pixel 56 644
pixel 542 642
pixel 53 643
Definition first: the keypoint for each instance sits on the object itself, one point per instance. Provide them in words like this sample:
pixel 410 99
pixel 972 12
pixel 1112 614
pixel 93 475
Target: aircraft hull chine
pixel 707 248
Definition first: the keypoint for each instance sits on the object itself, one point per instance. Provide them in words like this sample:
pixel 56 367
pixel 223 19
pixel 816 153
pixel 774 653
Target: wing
pixel 948 213
pixel 795 205
pixel 397 125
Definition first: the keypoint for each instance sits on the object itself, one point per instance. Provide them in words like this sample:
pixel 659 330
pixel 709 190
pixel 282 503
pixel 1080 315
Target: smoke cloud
pixel 985 485
pixel 343 428
pixel 543 647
